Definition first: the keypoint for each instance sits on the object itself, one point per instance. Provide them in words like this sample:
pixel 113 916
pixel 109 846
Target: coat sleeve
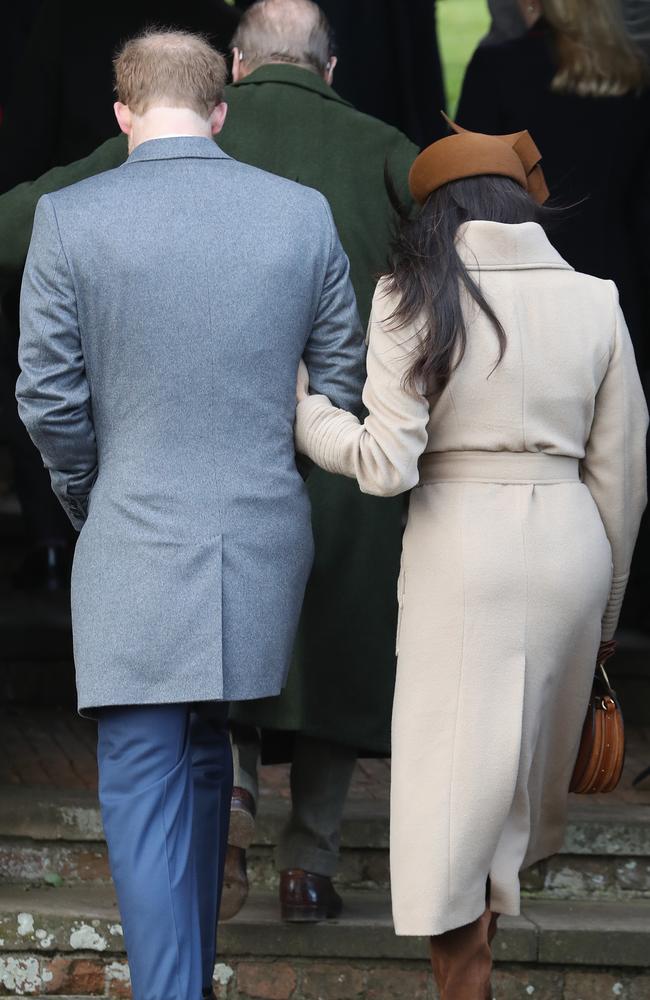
pixel 17 206
pixel 335 351
pixel 52 391
pixel 614 466
pixel 382 453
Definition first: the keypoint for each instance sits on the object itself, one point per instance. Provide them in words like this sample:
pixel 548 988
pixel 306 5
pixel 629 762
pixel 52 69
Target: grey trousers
pixel 320 779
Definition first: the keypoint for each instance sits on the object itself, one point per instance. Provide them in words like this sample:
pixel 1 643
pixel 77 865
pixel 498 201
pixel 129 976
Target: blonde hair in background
pixel 597 56
pixel 175 69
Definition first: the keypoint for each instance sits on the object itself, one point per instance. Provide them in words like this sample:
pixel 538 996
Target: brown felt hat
pixel 470 154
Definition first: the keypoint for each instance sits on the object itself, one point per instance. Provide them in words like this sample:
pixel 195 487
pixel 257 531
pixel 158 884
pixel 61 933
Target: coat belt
pixel 497 467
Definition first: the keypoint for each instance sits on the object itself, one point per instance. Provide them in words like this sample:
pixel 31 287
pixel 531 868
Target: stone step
pixel 65 939
pixel 52 836
pixel 562 877
pixel 48 813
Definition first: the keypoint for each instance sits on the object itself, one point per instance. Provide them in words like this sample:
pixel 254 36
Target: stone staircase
pixel 584 931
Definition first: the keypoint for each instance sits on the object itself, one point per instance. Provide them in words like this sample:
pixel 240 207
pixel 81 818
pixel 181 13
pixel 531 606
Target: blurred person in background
pixel 574 78
pixel 285 117
pixel 637 20
pixel 508 21
pixel 580 84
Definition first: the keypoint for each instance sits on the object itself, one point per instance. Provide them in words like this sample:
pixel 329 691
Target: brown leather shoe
pixel 235 883
pixel 308 898
pixel 240 836
pixel 242 818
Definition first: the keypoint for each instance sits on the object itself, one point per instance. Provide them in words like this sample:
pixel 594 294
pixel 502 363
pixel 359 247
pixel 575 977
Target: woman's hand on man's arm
pixel 302 382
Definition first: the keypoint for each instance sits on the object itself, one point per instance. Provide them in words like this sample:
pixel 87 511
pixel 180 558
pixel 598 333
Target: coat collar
pixel 177 147
pixel 495 246
pixel 291 76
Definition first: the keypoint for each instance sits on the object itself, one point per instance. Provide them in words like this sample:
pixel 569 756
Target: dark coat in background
pixel 595 155
pixel 60 105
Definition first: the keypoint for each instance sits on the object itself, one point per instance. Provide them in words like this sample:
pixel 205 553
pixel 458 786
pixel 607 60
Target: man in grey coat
pixel 165 308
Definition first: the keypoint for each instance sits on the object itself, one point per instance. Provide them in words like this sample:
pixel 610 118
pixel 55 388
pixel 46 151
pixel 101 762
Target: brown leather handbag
pixel 601 755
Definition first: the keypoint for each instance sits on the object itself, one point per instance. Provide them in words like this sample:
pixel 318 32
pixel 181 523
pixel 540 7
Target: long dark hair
pixel 428 275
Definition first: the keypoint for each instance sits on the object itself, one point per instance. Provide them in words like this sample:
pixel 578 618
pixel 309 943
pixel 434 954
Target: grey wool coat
pixel 165 307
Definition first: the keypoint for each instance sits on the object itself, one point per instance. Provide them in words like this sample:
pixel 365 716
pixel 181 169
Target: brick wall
pixel 243 979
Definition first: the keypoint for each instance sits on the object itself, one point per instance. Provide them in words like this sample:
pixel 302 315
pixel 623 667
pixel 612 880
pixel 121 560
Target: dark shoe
pixel 47 567
pixel 240 836
pixel 235 883
pixel 242 819
pixel 208 995
pixel 308 898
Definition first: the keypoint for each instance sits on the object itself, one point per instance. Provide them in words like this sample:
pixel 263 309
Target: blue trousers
pixel 165 781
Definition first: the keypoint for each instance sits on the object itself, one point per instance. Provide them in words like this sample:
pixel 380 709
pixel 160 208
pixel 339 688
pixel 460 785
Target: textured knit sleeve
pixel 382 453
pixel 614 467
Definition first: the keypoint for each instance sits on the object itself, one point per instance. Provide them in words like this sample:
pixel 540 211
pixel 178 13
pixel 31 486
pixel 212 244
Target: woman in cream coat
pixel 502 389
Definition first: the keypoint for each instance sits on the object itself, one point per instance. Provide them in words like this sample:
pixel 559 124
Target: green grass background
pixel 461 23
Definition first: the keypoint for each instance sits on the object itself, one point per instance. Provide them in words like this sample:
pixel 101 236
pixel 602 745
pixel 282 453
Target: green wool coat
pixel 289 121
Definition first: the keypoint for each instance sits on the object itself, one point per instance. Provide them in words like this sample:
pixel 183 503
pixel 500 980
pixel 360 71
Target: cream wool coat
pixel 530 485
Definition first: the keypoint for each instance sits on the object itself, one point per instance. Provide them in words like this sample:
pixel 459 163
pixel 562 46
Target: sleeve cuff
pixel 613 609
pixel 307 412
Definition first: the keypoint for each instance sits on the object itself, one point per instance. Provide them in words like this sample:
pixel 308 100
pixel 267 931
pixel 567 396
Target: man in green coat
pixel 285 117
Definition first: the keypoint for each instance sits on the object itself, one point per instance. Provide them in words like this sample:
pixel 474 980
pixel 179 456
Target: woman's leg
pixel 462 960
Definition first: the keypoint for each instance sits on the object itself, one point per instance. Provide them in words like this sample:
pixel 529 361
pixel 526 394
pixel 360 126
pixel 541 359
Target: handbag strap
pixel 603 674
pixel 607 699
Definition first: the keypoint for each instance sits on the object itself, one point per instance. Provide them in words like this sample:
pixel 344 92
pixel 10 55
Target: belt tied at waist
pixel 497 467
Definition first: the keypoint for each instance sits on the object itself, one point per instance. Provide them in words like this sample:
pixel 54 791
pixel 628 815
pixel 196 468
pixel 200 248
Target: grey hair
pixel 288 31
